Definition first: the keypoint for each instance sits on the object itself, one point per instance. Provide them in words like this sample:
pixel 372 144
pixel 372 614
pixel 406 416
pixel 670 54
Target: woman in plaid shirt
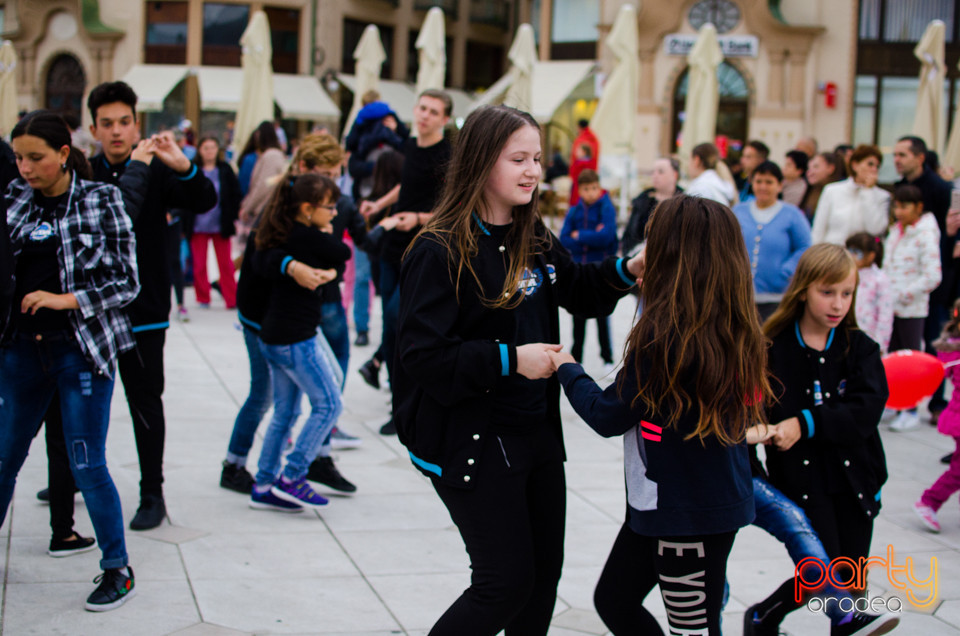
pixel 75 267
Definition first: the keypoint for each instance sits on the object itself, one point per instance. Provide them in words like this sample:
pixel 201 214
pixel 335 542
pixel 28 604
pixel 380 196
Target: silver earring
pixel 63 166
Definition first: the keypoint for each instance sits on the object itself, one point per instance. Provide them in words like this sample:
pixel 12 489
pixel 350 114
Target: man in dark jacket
pixel 153 176
pixel 909 158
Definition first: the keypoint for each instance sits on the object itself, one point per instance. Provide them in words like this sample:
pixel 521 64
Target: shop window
pixel 352 31
pixel 285 37
pixel 166 37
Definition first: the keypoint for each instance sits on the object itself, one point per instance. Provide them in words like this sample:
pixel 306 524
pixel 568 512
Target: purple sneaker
pixel 268 501
pixel 298 493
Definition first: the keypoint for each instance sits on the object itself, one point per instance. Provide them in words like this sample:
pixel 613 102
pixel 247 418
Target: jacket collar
pixel 803 345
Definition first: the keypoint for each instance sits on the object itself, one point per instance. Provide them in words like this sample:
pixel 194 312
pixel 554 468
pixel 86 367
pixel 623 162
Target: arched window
pixel 65 85
pixel 733 107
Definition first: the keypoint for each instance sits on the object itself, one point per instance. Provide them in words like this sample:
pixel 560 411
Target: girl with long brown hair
pixel 475 398
pixel 692 381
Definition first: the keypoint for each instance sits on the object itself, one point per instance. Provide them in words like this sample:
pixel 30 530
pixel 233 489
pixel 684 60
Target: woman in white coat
pixel 855 204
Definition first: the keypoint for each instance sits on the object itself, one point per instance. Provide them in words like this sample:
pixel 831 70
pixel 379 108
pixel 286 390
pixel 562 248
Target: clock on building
pixel 723 14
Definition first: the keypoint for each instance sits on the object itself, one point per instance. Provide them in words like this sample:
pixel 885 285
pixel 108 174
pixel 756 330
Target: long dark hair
pixel 51 127
pixel 281 211
pixel 267 137
pixel 483 136
pixel 699 322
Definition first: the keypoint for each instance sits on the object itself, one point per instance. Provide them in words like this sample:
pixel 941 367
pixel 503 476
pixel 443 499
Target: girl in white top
pixel 855 204
pixel 705 182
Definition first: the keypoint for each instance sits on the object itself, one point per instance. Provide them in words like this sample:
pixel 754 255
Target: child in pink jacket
pixel 948 350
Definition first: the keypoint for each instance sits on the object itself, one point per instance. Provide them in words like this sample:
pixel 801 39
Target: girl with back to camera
pixel 475 398
pixel 298 220
pixel 830 391
pixel 693 380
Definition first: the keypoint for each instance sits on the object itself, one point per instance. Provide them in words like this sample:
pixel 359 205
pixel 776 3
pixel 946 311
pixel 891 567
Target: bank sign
pixel 731 45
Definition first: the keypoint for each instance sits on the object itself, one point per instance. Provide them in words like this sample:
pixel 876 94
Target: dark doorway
pixel 733 109
pixel 66 82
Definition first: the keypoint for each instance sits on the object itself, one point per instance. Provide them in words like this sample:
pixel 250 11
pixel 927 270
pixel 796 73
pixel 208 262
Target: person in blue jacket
pixel 590 233
pixel 693 380
pixel 776 233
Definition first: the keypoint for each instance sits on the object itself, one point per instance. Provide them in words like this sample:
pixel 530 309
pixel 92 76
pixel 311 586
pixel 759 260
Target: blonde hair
pixel 318 149
pixel 823 262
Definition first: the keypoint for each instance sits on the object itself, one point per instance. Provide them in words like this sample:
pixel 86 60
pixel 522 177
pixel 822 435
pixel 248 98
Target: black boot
pixel 324 472
pixel 150 514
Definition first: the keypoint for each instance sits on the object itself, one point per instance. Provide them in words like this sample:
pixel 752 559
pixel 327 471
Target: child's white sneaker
pixel 927 515
pixel 906 421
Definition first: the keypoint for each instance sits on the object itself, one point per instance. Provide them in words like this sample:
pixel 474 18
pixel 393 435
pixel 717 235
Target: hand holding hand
pixel 953 222
pixel 761 433
pixel 44 299
pixel 367 208
pixel 389 223
pixel 167 150
pixel 533 362
pixel 788 433
pixel 143 152
pixel 637 265
pixel 308 277
pixel 558 358
pixel 406 221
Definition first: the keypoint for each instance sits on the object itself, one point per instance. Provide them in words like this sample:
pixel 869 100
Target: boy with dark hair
pixel 590 234
pixel 153 176
pixel 754 153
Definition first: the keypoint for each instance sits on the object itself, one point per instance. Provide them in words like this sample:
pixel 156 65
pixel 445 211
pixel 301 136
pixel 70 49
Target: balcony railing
pixel 449 6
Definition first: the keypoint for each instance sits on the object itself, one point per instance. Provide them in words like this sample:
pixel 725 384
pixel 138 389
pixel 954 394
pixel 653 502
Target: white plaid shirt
pixel 98 262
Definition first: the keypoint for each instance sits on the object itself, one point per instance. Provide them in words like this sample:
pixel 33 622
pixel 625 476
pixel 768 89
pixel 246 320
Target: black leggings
pixel 512 523
pixel 689 570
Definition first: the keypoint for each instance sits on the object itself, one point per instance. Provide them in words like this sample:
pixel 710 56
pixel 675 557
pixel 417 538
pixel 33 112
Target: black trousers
pixel 689 570
pixel 141 371
pixel 603 336
pixel 512 523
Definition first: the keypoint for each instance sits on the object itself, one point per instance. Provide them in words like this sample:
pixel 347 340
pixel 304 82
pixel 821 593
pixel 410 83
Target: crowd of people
pixel 747 334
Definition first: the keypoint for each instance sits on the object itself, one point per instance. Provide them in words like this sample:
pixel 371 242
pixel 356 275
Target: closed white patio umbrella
pixel 951 156
pixel 256 96
pixel 8 88
pixel 523 57
pixel 614 121
pixel 703 96
pixel 432 47
pixel 928 121
pixel 369 56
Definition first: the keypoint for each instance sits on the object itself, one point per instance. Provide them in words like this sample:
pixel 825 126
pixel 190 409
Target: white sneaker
pixel 906 421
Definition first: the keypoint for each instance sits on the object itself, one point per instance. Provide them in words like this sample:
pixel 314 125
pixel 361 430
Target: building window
pixel 65 85
pixel 166 37
pixel 449 7
pixel 285 37
pixel 352 31
pixel 493 12
pixel 573 30
pixel 484 65
pixel 223 24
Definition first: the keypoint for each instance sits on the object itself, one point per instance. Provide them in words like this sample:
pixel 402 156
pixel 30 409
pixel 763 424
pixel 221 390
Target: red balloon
pixel 911 376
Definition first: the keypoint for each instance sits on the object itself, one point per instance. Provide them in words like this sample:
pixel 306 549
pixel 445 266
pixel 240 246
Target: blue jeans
pixel 301 367
pixel 257 403
pixel 31 372
pixel 786 521
pixel 361 290
pixel 333 324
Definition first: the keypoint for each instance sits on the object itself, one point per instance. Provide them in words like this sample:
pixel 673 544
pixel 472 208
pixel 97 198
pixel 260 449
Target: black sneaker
pixel 323 471
pixel 389 428
pixel 150 514
pixel 362 339
pixel 863 624
pixel 44 495
pixel 75 545
pixel 370 371
pixel 115 588
pixel 234 477
pixel 946 459
pixel 753 623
